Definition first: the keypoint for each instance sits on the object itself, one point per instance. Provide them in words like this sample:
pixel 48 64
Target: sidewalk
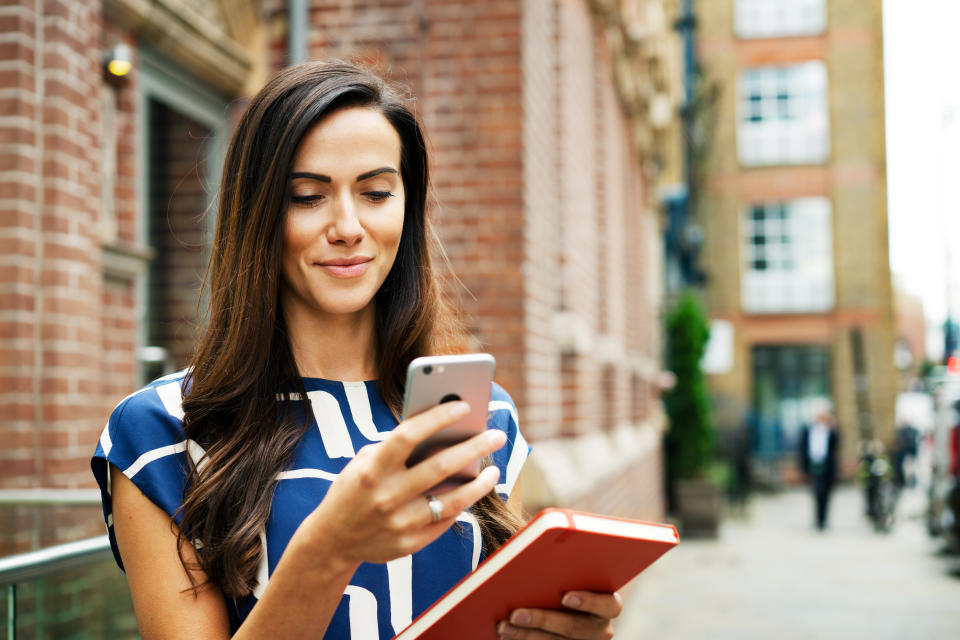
pixel 771 575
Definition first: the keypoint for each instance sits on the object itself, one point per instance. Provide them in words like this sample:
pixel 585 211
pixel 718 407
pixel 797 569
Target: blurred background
pixel 685 228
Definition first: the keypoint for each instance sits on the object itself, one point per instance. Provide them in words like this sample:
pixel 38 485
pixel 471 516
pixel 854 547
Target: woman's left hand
pixel 589 618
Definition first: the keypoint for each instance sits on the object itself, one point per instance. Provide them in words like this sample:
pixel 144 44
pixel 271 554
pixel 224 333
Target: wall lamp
pixel 118 61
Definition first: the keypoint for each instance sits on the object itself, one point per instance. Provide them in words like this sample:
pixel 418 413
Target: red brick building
pixel 543 157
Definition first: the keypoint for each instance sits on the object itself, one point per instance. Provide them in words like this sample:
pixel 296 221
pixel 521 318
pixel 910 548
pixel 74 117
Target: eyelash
pixel 313 200
pixel 305 200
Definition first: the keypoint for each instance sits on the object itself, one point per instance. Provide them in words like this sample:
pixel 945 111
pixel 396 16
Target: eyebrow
pixel 360 178
pixel 375 172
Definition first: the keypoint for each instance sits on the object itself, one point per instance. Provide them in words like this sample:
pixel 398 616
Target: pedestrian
pixel 819 447
pixel 741 480
pixel 905 448
pixel 263 492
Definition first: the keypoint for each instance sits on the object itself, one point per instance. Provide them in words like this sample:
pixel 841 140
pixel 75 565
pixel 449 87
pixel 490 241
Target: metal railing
pixel 49 497
pixel 39 564
pixel 46 564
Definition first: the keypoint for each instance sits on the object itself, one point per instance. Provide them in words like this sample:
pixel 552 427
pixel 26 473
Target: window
pixel 790 384
pixel 608 390
pixel 638 400
pixel 788 257
pixel 783 115
pixel 778 18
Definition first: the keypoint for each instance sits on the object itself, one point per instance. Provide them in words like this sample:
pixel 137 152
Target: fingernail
pixel 459 409
pixel 520 617
pixel 506 631
pixel 496 438
pixel 571 601
pixel 495 474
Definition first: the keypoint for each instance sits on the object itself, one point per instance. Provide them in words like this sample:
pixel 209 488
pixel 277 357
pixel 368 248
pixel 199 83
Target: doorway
pixel 790 382
pixel 183 127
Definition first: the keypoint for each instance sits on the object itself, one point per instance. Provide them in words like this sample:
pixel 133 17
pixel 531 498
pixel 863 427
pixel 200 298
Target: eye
pixel 307 200
pixel 378 196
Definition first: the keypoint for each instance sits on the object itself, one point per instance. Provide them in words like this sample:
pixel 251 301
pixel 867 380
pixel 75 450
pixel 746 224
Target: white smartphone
pixel 433 380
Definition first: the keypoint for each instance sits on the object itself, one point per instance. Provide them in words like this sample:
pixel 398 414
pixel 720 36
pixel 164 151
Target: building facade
pixel 545 156
pixel 911 331
pixel 793 207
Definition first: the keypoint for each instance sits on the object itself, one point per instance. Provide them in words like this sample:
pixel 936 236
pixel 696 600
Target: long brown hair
pixel 243 356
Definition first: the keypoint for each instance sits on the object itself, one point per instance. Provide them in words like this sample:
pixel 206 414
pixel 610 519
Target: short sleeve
pixel 144 439
pixel 502 415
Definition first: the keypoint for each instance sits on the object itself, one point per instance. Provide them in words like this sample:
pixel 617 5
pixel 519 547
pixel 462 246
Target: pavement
pixel 770 574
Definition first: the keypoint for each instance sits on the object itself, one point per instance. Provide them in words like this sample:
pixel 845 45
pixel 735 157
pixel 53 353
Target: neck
pixel 334 347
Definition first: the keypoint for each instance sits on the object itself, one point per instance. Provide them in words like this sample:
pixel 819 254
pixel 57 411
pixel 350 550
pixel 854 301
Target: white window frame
pixel 783 115
pixel 788 257
pixel 779 18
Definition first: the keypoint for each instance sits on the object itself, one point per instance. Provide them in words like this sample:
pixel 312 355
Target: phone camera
pixel 428 370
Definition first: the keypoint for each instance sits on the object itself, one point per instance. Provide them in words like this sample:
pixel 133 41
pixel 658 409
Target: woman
pixel 263 494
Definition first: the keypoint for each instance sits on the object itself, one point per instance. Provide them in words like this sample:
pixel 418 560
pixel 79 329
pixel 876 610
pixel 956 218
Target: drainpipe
pixel 298 17
pixel 686 26
pixel 682 270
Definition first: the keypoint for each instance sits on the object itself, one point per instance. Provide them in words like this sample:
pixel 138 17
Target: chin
pixel 344 305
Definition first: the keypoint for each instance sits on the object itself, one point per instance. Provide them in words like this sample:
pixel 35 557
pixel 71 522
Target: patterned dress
pixel 144 439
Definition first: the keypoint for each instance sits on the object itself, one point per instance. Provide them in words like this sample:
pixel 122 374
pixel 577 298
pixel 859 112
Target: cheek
pixel 298 233
pixel 398 221
pixel 397 233
pixel 292 246
pixel 390 229
pixel 395 237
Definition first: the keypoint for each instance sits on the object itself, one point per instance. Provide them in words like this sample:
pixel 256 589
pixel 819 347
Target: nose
pixel 346 228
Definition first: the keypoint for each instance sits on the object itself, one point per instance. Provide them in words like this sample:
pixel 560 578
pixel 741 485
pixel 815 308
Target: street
pixel 771 575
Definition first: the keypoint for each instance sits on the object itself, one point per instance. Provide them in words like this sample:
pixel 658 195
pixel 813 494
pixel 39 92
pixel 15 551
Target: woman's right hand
pixel 376 509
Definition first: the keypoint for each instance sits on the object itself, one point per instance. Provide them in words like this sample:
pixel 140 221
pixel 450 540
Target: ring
pixel 436 508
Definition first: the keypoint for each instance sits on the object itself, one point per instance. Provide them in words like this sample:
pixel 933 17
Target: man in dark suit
pixel 819 447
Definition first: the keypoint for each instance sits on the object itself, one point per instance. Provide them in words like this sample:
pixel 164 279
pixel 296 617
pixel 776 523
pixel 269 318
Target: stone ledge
pixel 125 261
pixel 562 471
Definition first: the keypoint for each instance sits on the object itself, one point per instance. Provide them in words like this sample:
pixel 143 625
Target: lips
pixel 346 267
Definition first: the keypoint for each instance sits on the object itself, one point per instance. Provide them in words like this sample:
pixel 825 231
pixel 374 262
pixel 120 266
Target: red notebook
pixel 558 551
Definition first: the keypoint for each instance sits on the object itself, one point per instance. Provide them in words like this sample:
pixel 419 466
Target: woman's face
pixel 345 218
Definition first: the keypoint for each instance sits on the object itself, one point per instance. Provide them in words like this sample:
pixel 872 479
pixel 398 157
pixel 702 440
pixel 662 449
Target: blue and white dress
pixel 144 439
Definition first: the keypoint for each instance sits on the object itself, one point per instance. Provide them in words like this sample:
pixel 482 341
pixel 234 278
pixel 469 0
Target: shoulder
pixel 502 405
pixel 144 440
pixel 165 392
pixel 162 397
pixel 148 418
pixel 511 458
pixel 499 393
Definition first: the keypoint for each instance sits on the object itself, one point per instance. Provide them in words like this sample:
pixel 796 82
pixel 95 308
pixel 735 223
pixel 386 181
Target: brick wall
pixel 119 227
pixel 540 200
pixel 70 223
pixel 50 196
pixel 71 234
pixel 462 61
pixel 119 102
pixel 547 388
pixel 119 339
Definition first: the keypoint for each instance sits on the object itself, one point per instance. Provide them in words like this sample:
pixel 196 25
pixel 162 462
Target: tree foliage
pixel 691 435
